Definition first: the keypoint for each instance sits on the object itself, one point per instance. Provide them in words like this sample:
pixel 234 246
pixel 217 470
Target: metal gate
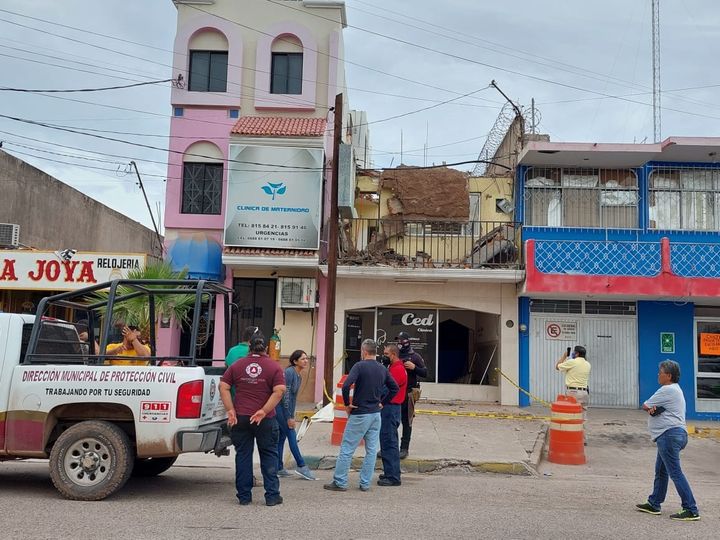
pixel 611 344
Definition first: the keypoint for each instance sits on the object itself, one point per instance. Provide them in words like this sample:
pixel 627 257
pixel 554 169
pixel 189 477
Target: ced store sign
pixel 561 330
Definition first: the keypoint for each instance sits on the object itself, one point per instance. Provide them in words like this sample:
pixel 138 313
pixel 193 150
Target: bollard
pixel 340 416
pixel 567 438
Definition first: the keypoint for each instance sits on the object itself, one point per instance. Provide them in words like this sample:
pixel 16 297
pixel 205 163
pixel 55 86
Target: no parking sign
pixel 561 330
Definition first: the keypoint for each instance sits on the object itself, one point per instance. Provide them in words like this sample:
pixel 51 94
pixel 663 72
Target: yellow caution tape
pixel 501 416
pixel 703 432
pixel 516 385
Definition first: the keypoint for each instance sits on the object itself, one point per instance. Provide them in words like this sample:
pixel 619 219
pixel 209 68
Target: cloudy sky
pixel 586 64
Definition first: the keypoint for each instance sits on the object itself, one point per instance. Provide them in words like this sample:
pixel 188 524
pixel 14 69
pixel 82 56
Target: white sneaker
pixel 284 473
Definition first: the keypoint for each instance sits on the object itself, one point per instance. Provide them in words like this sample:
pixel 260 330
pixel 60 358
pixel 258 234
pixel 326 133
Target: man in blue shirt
pixel 372 383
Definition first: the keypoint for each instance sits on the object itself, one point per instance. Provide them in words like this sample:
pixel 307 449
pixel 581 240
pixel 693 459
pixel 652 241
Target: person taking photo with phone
pixel 577 376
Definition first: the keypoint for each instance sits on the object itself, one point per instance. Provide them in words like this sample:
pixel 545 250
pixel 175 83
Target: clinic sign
pixel 274 197
pixel 49 271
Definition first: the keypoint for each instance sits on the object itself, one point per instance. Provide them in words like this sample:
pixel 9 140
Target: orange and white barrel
pixel 567 436
pixel 340 416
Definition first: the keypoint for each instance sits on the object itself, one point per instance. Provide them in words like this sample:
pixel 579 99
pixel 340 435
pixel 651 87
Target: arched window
pixel 202 179
pixel 287 65
pixel 208 57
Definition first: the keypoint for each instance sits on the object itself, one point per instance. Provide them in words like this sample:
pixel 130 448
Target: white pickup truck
pixel 98 423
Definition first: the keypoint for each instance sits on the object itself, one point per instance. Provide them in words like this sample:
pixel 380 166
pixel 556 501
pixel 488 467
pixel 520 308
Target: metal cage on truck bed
pixel 95 310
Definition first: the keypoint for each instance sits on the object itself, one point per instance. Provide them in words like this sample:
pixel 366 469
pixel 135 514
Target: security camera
pixel 66 254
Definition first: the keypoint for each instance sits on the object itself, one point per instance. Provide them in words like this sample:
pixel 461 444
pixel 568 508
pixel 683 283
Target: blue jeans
pixel 669 445
pixel 359 426
pixel 244 435
pixel 389 446
pixel 291 436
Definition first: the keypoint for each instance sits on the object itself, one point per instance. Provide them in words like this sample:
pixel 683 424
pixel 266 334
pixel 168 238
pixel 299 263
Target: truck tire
pixel 146 467
pixel 91 460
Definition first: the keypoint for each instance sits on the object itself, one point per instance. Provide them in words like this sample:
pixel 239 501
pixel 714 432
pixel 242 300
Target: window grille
pixel 556 306
pixel 202 188
pixel 685 198
pixel 595 198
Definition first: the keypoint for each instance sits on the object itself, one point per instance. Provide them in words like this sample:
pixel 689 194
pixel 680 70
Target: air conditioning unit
pixel 296 293
pixel 9 235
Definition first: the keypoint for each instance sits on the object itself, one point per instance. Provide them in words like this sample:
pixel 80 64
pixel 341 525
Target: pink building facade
pixel 249 156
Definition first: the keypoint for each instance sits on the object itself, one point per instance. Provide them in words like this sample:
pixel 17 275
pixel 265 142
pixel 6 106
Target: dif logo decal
pixel 274 189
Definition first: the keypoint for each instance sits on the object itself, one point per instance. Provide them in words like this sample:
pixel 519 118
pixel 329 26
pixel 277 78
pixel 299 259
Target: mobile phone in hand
pixel 658 411
pixel 567 351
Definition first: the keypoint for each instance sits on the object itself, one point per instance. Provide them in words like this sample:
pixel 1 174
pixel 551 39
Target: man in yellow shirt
pixel 577 375
pixel 129 346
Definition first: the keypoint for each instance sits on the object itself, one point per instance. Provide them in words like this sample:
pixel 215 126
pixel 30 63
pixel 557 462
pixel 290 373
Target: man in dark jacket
pixel 415 367
pixel 372 383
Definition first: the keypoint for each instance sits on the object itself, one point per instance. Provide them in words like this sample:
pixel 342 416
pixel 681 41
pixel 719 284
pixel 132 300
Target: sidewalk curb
pixel 434 465
pixel 538 449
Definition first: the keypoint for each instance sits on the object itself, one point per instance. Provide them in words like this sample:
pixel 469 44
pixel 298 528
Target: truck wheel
pixel 91 460
pixel 145 467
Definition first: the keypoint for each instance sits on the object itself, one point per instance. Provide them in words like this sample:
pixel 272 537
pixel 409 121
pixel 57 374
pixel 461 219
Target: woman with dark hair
pixel 666 424
pixel 285 412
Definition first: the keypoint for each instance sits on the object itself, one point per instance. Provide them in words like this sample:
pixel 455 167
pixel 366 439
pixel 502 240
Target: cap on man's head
pixel 403 336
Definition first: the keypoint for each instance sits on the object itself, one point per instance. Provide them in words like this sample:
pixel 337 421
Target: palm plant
pixel 136 311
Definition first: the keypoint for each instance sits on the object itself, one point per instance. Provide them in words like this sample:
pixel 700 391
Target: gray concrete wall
pixel 53 215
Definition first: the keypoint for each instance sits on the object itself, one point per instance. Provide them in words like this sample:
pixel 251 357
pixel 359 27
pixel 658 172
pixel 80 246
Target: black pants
pixel 244 435
pixel 406 426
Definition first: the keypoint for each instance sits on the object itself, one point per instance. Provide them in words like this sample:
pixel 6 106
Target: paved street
pixel 592 501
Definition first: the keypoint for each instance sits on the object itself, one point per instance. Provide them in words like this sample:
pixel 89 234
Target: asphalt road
pixel 198 502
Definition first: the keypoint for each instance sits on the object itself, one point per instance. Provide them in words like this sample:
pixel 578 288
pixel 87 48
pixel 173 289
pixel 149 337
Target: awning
pixel 200 255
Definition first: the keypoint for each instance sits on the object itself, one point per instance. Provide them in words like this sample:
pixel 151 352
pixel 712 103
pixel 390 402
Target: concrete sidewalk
pixel 467 436
pixel 476 437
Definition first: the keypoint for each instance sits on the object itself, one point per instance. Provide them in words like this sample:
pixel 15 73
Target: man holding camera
pixel 415 367
pixel 577 375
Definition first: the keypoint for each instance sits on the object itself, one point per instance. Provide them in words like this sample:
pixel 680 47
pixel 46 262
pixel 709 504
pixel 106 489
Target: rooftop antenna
pixel 425 148
pixel 656 68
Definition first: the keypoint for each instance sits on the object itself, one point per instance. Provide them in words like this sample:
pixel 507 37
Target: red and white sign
pixel 561 330
pixel 155 411
pixel 47 271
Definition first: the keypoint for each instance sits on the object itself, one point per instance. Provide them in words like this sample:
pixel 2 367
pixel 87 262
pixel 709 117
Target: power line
pixel 102 89
pixel 141 145
pixel 454 33
pixel 229 65
pixel 344 60
pixel 473 61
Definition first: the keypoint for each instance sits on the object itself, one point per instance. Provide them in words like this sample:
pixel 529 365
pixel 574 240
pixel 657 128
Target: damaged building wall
pixel 419 218
pixel 440 194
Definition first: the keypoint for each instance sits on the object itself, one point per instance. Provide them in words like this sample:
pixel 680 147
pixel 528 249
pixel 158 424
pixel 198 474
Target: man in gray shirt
pixel 666 424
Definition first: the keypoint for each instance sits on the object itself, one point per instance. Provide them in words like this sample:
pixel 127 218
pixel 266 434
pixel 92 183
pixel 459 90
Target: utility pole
pixel 332 251
pixel 147 203
pixel 656 69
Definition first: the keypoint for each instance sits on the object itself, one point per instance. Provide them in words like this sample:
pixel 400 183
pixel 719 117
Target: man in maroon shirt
pixel 390 414
pixel 259 384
